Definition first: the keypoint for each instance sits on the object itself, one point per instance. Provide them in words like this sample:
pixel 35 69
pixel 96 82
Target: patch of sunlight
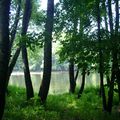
pixel 72 105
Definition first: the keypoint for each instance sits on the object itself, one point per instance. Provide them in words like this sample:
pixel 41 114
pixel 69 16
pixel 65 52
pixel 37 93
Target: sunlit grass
pixel 58 107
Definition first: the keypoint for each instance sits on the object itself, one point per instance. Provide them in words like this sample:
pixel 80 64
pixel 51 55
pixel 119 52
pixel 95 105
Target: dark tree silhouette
pixel 26 18
pixel 44 88
pixel 4 50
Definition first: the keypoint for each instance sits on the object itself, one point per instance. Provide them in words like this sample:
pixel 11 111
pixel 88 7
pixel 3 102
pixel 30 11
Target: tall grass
pixel 58 107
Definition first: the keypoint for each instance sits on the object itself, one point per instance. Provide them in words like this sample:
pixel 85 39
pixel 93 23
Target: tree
pixel 22 46
pixel 75 23
pixel 83 83
pixel 4 50
pixel 71 76
pixel 12 38
pixel 101 61
pixel 115 42
pixel 44 88
pixel 26 18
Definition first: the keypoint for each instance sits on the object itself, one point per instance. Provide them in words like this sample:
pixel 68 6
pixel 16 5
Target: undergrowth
pixel 57 107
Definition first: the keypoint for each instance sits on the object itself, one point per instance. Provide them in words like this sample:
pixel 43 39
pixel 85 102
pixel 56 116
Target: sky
pixel 44 3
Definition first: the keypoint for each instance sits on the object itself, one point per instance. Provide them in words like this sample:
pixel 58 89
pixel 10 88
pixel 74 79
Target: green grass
pixel 58 107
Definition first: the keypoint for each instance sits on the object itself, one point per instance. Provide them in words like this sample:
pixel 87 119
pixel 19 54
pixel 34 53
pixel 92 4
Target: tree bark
pixel 12 64
pixel 26 19
pixel 71 77
pixel 44 88
pixel 101 62
pixel 4 50
pixel 76 75
pixel 83 84
pixel 14 28
pixel 28 82
pixel 13 33
pixel 114 60
pixel 105 16
pixel 117 39
pixel 110 92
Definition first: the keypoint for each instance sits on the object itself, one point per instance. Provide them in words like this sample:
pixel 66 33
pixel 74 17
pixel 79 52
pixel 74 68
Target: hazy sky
pixel 44 3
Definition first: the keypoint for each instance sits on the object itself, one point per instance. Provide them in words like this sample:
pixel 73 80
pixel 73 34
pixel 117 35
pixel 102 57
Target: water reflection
pixel 59 82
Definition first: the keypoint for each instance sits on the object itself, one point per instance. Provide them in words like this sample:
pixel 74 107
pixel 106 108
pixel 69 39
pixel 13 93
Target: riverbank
pixel 58 107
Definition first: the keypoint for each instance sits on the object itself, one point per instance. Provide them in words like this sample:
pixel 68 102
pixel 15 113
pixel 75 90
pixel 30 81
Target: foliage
pixel 58 107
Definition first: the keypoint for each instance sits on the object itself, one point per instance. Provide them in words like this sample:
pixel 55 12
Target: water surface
pixel 59 81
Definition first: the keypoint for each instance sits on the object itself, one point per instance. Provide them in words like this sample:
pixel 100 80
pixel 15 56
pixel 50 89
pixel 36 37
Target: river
pixel 59 81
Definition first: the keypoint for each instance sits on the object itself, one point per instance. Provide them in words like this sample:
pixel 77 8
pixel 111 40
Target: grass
pixel 58 107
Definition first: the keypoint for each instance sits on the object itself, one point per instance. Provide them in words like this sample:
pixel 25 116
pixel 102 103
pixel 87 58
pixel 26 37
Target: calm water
pixel 59 82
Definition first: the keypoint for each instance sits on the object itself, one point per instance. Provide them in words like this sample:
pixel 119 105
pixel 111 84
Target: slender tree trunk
pixel 13 33
pixel 101 60
pixel 105 16
pixel 44 88
pixel 14 28
pixel 118 82
pixel 28 82
pixel 12 64
pixel 110 17
pixel 26 19
pixel 83 84
pixel 117 39
pixel 110 92
pixel 114 61
pixel 4 50
pixel 108 80
pixel 76 76
pixel 71 77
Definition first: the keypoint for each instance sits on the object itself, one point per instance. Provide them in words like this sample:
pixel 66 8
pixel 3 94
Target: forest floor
pixel 58 107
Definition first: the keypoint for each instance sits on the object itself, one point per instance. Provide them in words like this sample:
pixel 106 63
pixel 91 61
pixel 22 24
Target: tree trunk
pixel 14 27
pixel 105 16
pixel 12 64
pixel 44 88
pixel 26 19
pixel 117 39
pixel 110 92
pixel 108 80
pixel 114 57
pixel 101 62
pixel 28 82
pixel 76 76
pixel 83 84
pixel 4 50
pixel 118 81
pixel 71 77
pixel 13 33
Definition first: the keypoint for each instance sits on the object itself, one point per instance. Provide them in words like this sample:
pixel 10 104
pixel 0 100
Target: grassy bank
pixel 58 107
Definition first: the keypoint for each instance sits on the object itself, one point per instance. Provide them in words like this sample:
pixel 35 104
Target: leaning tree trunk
pixel 102 90
pixel 4 50
pixel 83 84
pixel 12 64
pixel 44 88
pixel 71 77
pixel 28 82
pixel 76 75
pixel 12 38
pixel 15 25
pixel 26 19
